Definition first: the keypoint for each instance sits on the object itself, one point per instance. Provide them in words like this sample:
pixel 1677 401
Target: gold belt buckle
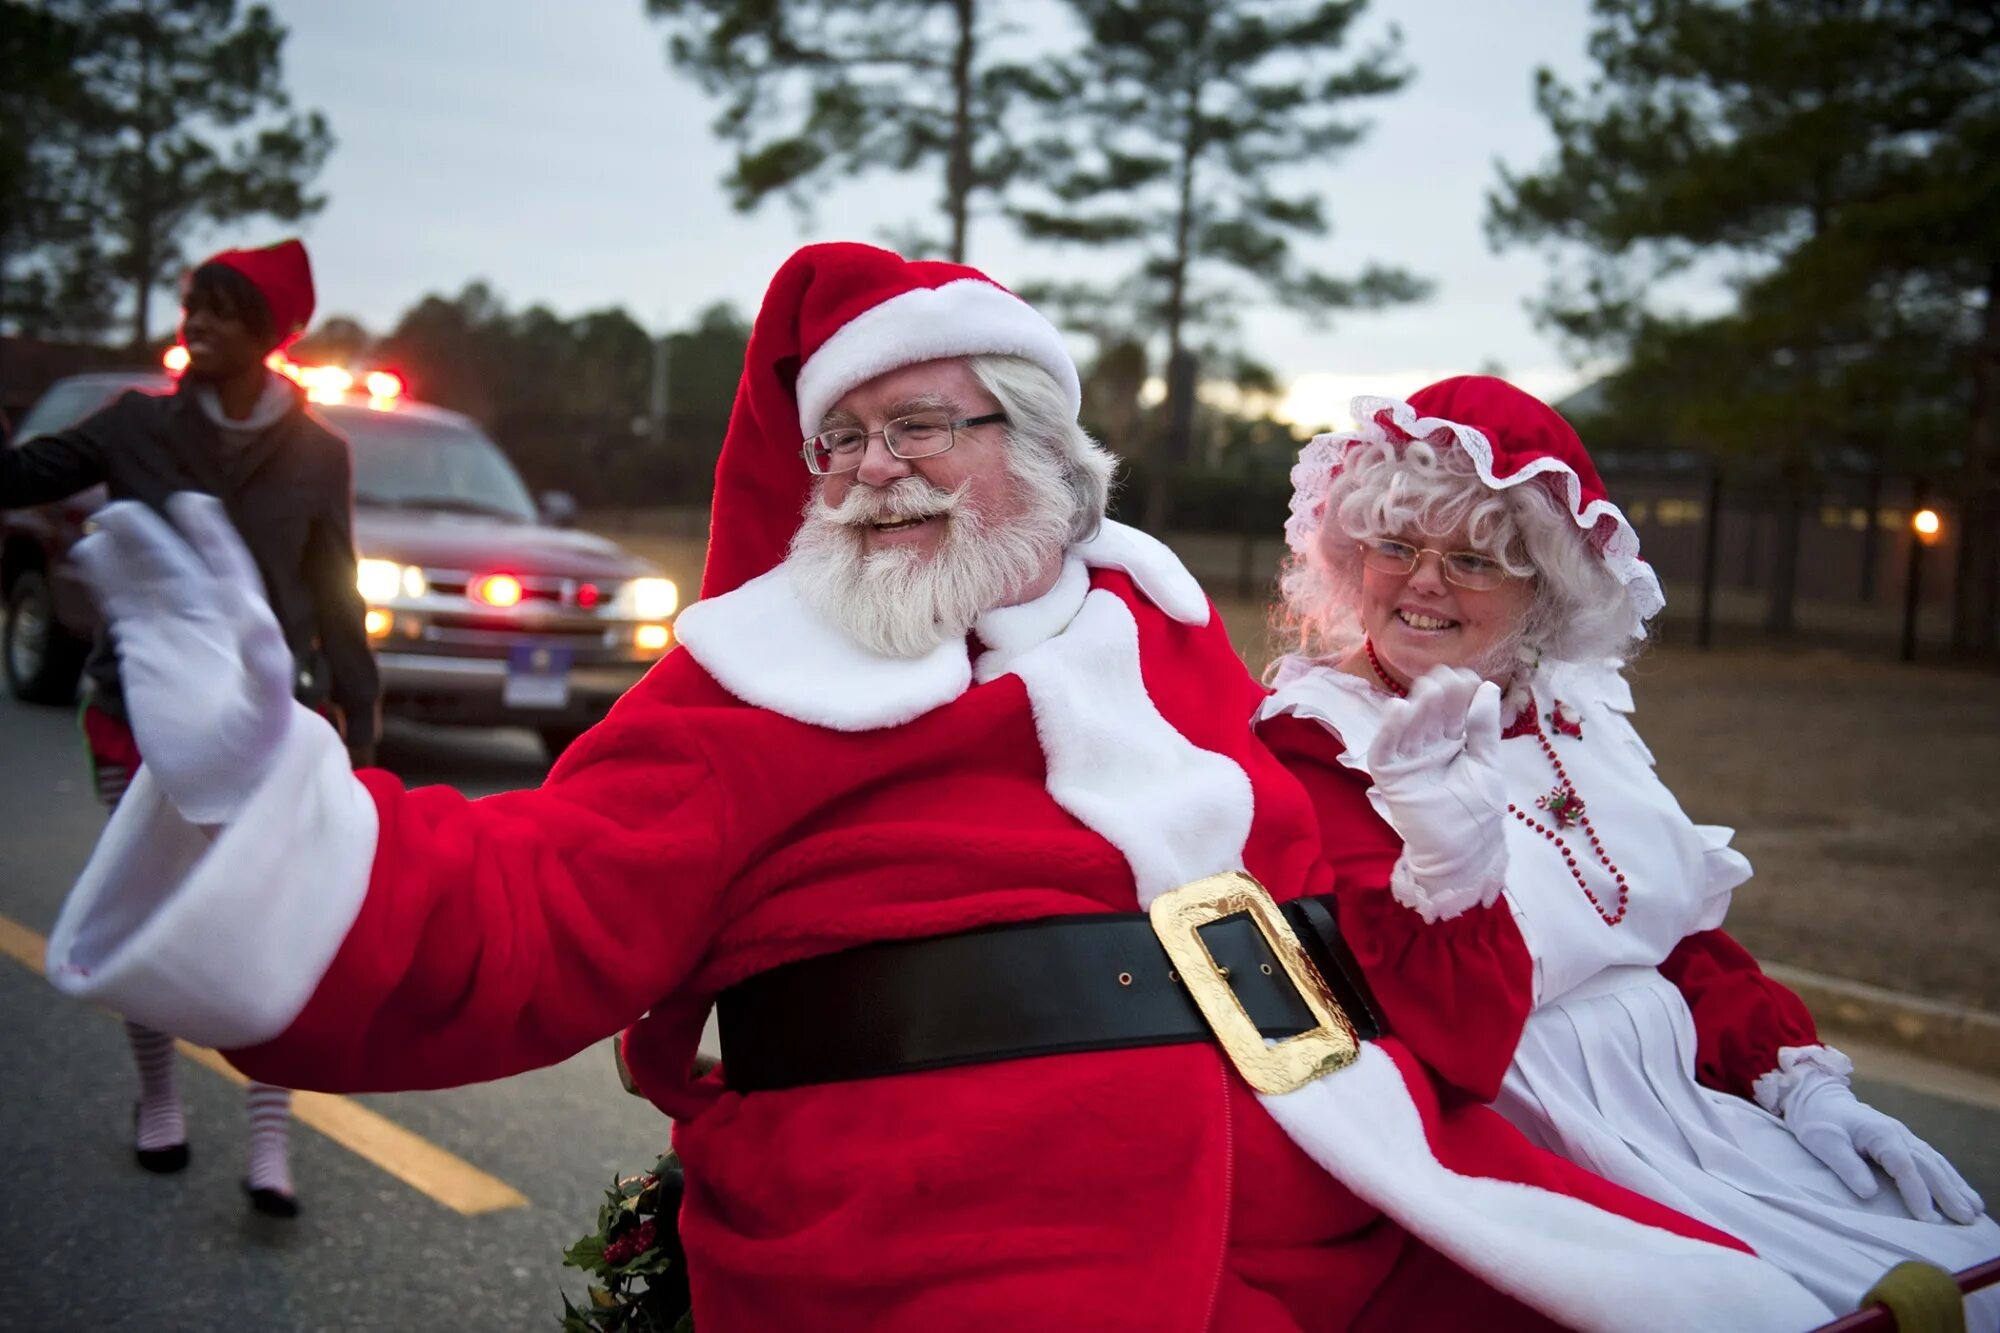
pixel 1288 1064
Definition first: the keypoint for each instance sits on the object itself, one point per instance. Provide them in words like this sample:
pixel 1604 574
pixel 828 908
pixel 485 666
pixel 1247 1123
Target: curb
pixel 1916 1026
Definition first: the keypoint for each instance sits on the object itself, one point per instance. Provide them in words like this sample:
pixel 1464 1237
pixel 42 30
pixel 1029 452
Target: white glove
pixel 206 672
pixel 1436 766
pixel 1840 1130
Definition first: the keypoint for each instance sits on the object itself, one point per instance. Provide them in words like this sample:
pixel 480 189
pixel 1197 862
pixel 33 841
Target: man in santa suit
pixel 936 737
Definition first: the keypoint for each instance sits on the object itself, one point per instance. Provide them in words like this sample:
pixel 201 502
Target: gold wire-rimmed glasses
pixel 1467 569
pixel 919 435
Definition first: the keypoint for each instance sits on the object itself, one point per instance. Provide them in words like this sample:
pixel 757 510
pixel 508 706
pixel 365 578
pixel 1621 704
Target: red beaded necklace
pixel 1563 804
pixel 1565 807
pixel 1388 682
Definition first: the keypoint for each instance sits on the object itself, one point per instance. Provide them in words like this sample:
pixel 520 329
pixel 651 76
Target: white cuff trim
pixel 221 934
pixel 1436 904
pixel 1799 1067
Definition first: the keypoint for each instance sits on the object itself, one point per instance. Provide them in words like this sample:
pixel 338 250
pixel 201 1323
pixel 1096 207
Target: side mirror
pixel 558 508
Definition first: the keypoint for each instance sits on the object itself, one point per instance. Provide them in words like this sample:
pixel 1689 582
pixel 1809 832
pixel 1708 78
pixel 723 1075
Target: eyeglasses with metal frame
pixel 920 435
pixel 1467 569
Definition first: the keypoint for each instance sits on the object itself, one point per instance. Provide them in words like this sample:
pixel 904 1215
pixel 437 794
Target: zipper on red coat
pixel 1228 1191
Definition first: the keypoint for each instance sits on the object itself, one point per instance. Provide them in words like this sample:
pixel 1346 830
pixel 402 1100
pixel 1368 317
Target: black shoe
pixel 163 1161
pixel 160 1161
pixel 271 1203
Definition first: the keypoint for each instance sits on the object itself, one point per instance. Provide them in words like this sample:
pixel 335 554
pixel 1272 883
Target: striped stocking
pixel 270 1179
pixel 160 1127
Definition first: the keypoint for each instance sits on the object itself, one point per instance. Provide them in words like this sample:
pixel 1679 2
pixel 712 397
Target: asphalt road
pixel 89 1241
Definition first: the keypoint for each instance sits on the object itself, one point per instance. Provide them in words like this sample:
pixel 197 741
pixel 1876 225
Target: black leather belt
pixel 1054 986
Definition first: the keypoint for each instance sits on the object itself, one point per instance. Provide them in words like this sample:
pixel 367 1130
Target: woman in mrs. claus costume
pixel 1549 938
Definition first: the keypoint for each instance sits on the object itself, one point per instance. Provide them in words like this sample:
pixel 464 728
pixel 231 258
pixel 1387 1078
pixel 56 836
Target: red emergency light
pixel 502 590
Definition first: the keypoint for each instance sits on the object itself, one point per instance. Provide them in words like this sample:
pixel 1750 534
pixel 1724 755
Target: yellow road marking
pixel 416 1161
pixel 22 945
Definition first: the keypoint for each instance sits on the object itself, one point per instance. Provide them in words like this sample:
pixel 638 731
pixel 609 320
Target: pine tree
pixel 191 127
pixel 1170 126
pixel 817 92
pixel 1833 160
pixel 52 279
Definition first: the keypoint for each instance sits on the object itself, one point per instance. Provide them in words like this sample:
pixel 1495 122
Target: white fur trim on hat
pixel 963 318
pixel 1312 481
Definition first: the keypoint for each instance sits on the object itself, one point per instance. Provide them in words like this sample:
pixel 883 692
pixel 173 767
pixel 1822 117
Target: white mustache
pixel 902 500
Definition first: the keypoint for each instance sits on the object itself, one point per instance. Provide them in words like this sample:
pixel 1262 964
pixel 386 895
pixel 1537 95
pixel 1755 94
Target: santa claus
pixel 937 738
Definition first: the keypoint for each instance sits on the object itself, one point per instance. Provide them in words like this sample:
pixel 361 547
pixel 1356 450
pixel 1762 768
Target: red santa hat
pixel 1512 437
pixel 283 275
pixel 836 316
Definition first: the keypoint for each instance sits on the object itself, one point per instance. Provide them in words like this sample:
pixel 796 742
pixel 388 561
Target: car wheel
pixel 42 659
pixel 557 739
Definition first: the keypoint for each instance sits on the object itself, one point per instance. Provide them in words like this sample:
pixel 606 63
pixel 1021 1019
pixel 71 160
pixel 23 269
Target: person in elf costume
pixel 1545 928
pixel 240 432
pixel 930 805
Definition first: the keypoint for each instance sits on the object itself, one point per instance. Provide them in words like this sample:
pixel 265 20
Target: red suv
pixel 483 609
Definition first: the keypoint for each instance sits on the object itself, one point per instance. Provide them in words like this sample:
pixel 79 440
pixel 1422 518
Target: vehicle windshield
pixel 70 401
pixel 401 462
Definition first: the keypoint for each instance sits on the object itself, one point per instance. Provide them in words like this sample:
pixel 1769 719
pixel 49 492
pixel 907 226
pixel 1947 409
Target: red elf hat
pixel 283 275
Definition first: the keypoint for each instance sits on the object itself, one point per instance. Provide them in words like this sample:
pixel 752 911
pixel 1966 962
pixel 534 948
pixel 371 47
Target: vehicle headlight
pixel 648 599
pixel 384 581
pixel 378 580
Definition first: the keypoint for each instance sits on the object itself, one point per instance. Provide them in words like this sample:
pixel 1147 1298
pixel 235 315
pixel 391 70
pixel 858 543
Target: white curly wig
pixel 1388 487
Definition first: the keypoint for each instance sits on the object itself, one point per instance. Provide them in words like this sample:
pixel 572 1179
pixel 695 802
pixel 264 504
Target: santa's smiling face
pixel 906 553
pixel 975 465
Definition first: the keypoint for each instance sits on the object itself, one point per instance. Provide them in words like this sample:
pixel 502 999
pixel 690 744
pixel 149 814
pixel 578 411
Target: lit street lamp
pixel 1926 529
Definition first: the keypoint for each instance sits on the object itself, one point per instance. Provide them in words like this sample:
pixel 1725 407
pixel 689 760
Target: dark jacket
pixel 290 494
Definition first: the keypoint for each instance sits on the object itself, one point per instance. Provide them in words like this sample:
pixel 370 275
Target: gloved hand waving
pixel 1435 763
pixel 206 672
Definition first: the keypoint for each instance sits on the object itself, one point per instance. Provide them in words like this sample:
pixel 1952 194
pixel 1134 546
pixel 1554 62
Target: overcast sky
pixel 551 150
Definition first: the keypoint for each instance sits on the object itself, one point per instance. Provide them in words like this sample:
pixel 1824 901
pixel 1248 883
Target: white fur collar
pixel 767 647
pixel 1009 631
pixel 1157 570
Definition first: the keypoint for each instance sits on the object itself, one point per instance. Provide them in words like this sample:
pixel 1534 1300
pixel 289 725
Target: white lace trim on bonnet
pixel 1312 480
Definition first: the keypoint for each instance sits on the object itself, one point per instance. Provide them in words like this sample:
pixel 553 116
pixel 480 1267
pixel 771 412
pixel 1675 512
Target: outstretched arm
pixel 253 894
pixel 49 467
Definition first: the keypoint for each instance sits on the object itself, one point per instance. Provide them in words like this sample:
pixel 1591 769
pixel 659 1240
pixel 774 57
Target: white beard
pixel 899 602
